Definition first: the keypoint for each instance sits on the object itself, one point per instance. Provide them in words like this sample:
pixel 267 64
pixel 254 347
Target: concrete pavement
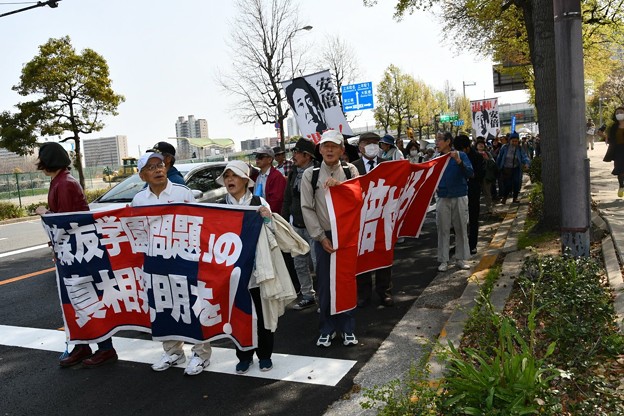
pixel 440 313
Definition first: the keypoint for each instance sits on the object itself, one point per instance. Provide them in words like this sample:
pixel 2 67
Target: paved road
pixel 34 384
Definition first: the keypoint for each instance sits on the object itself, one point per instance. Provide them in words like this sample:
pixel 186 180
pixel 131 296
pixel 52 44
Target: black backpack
pixel 316 171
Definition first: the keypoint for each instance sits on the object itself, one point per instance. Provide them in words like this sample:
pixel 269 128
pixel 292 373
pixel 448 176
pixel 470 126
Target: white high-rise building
pixel 191 128
pixel 105 151
pixel 292 127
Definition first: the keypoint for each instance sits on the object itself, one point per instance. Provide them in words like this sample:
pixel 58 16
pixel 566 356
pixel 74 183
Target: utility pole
pixel 573 161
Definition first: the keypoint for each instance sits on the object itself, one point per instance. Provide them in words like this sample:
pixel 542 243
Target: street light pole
pixel 52 3
pixel 468 84
pixel 292 35
pixel 600 99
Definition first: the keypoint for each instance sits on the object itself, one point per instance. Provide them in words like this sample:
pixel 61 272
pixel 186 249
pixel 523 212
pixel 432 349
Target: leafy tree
pixel 394 98
pixel 522 32
pixel 259 44
pixel 338 56
pixel 72 93
pixel 422 108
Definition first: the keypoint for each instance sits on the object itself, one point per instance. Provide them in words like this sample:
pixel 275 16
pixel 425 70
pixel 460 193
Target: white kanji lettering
pixel 186 237
pixel 110 228
pixel 136 229
pixel 87 242
pixel 62 246
pixel 389 216
pixel 144 283
pixel 171 292
pixel 84 298
pixel 181 298
pixel 372 209
pixel 110 294
pixel 161 230
pixel 207 313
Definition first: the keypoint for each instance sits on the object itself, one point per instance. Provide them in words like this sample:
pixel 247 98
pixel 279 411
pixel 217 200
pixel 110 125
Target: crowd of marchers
pixel 295 188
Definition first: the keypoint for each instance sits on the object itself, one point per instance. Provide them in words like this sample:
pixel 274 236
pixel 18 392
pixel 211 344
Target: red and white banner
pixel 177 271
pixel 369 213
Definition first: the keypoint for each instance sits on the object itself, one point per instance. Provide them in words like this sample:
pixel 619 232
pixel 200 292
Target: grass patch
pixel 554 350
pixel 533 236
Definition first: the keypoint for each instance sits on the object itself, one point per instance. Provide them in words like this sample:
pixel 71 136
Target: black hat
pixel 278 150
pixel 53 156
pixel 304 145
pixel 369 136
pixel 163 147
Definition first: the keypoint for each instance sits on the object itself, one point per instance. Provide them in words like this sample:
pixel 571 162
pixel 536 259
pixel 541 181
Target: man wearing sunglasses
pixel 159 189
pixel 270 183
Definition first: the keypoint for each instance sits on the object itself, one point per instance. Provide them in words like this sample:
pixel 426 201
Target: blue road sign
pixel 357 97
pixel 458 123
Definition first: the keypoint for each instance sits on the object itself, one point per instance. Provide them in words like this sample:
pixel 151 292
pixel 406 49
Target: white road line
pixel 286 367
pixel 22 250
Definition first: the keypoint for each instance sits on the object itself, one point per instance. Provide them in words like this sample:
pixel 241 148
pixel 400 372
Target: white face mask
pixel 371 150
pixel 413 152
pixel 619 116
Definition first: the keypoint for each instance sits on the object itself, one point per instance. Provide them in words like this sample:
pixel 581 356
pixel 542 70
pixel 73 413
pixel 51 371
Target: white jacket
pixel 273 278
pixel 287 238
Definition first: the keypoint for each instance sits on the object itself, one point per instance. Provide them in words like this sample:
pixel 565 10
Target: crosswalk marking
pixel 23 250
pixel 286 367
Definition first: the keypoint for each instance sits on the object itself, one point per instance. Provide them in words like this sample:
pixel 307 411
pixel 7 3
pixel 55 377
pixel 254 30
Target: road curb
pixel 432 322
pixel 20 219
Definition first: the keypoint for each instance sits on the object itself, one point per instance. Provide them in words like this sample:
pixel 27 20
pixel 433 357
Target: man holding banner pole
pixel 317 221
pixel 160 190
pixel 369 148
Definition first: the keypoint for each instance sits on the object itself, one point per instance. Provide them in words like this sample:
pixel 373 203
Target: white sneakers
pixel 461 264
pixel 196 365
pixel 167 361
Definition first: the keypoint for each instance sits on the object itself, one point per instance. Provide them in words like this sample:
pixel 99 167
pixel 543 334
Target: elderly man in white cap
pixel 160 190
pixel 314 185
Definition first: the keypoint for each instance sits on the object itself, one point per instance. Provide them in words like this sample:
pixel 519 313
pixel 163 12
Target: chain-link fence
pixel 32 187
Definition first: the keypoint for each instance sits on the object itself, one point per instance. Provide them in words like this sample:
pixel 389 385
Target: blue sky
pixel 164 56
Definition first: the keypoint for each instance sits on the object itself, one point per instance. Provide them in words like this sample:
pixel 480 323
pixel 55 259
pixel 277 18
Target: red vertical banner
pixel 369 213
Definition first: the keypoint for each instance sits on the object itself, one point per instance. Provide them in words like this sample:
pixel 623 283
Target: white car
pixel 200 177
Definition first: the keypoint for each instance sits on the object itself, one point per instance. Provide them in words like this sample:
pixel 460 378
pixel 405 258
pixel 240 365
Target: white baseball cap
pixel 333 136
pixel 147 156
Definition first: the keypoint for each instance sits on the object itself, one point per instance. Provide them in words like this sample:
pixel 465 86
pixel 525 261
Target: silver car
pixel 200 177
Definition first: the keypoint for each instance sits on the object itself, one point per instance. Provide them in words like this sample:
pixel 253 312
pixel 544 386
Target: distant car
pixel 200 177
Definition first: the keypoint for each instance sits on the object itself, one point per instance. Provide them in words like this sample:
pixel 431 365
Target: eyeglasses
pixel 261 156
pixel 154 166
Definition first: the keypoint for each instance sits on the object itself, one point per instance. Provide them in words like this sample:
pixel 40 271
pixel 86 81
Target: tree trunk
pixel 78 161
pixel 539 20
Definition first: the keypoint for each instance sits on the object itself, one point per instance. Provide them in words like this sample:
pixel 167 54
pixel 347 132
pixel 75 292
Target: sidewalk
pixel 440 313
